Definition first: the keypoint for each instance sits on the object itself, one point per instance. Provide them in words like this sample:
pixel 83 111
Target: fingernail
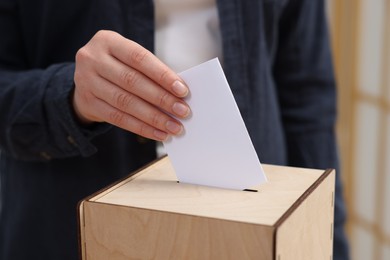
pixel 174 127
pixel 160 135
pixel 180 89
pixel 180 109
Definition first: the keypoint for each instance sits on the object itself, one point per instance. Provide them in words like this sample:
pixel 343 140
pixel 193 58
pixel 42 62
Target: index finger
pixel 139 58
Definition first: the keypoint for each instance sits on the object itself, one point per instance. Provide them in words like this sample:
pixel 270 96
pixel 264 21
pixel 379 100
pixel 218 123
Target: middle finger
pixel 138 84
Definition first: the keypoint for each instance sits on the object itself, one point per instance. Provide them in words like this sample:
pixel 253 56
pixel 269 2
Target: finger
pixel 140 85
pixel 128 122
pixel 136 107
pixel 139 58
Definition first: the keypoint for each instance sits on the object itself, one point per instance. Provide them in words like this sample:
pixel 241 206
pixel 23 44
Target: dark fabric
pixel 277 61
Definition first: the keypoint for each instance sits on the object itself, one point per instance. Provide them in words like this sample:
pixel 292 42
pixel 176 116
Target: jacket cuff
pixel 74 138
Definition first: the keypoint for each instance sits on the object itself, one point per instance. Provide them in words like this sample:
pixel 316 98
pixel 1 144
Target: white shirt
pixel 186 32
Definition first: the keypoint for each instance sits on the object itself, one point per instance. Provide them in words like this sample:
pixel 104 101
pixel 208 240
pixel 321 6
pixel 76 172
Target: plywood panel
pixel 157 189
pixel 117 232
pixel 307 233
pixel 151 216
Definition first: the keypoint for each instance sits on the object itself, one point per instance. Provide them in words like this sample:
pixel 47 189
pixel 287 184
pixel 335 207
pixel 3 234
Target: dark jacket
pixel 276 58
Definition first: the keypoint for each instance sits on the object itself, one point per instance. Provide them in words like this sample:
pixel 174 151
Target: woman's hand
pixel 120 82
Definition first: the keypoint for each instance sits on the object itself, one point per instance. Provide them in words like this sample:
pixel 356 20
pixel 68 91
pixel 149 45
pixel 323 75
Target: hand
pixel 120 82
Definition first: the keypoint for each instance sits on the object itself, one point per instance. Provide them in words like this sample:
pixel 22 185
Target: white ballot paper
pixel 215 148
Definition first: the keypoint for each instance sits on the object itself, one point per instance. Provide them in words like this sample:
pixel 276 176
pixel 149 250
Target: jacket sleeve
pixel 306 87
pixel 36 117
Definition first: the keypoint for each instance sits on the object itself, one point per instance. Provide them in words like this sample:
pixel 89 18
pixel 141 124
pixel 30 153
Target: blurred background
pixel 360 32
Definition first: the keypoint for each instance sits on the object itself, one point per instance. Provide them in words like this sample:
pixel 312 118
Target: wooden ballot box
pixel 151 216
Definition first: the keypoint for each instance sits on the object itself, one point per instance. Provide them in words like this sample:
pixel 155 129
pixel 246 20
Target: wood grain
pixel 151 216
pixel 130 233
pixel 157 188
pixel 307 233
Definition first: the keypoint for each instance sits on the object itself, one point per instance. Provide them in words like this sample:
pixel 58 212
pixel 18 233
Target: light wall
pixel 360 31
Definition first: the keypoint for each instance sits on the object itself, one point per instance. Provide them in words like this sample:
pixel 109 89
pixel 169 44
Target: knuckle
pixel 102 34
pixel 123 101
pixel 157 119
pixel 102 40
pixel 117 118
pixel 144 130
pixel 86 57
pixel 130 78
pixel 163 99
pixel 82 54
pixel 164 75
pixel 137 57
